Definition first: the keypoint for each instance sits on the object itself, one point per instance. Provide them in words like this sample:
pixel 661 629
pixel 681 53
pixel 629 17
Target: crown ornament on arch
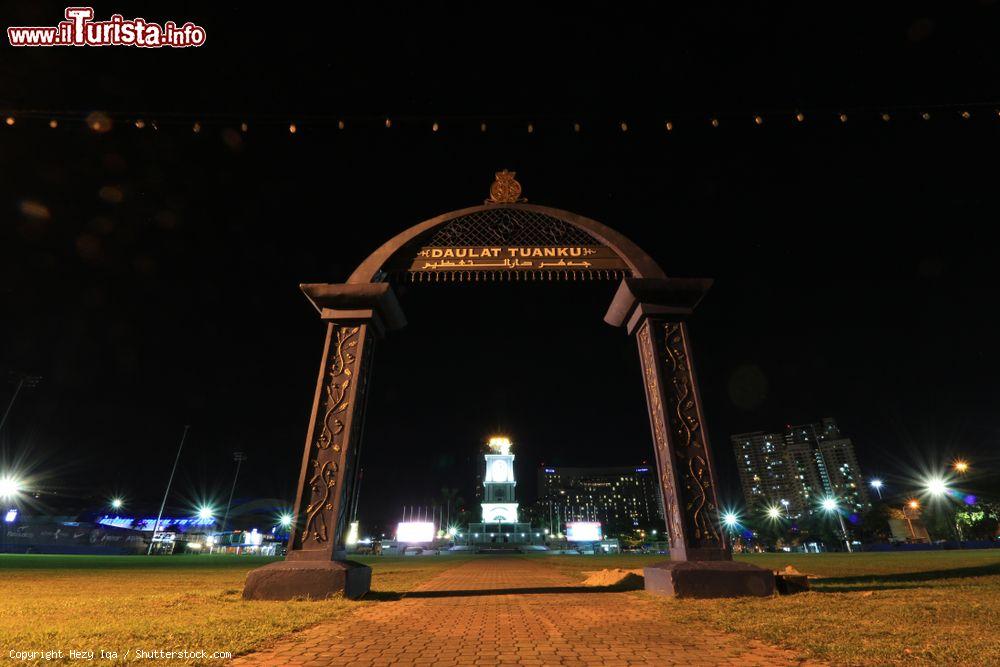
pixel 505 189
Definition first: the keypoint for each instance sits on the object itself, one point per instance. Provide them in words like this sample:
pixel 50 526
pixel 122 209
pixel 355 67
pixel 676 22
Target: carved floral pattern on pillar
pixel 653 392
pixel 690 446
pixel 328 442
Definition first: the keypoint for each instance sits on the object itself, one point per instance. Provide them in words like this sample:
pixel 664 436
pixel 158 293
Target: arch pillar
pixel 655 311
pixel 316 564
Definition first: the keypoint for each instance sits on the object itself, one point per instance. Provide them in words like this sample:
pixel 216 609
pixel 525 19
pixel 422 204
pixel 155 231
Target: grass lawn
pixel 928 607
pixel 117 603
pixel 938 607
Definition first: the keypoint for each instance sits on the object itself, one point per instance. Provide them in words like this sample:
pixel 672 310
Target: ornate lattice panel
pixel 505 243
pixel 508 226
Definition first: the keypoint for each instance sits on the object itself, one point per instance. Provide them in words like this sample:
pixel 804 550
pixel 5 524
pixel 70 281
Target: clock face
pixel 499 471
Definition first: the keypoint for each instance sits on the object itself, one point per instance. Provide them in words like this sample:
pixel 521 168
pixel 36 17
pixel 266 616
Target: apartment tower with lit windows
pixel 796 468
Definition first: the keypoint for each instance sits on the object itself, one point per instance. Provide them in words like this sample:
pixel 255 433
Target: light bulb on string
pixel 139 123
pixel 244 127
pixel 434 127
pixel 715 122
pixel 799 116
pixel 669 126
pixel 925 116
pixel 965 115
pixel 758 120
pixel 886 117
pixel 624 126
pixel 340 124
pixel 843 118
pixel 388 123
pixel 10 121
pixel 482 127
pixel 576 127
pixel 196 128
pixel 53 123
pixel 531 128
pixel 292 129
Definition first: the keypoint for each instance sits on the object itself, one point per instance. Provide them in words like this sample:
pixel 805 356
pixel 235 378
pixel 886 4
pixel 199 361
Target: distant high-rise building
pixel 797 468
pixel 621 498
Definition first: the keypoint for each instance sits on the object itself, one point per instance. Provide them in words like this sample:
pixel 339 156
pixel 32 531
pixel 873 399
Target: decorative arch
pixel 509 225
pixel 507 239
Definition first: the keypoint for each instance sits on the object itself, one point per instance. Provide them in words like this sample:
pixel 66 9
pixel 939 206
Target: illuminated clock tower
pixel 498 484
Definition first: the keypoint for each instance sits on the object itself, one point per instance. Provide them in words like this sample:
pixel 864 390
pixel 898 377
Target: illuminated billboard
pixel 583 531
pixel 413 532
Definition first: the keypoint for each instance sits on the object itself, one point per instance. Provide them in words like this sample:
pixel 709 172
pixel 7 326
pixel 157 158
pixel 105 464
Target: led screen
pixel 415 531
pixel 583 531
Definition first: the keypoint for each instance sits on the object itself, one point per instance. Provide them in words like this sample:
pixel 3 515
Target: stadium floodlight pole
pixel 156 526
pixel 239 457
pixel 24 380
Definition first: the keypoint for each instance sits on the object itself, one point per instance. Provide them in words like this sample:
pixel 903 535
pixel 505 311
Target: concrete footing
pixel 314 580
pixel 708 579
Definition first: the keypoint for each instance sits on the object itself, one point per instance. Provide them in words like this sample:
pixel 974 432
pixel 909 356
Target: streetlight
pixel 830 505
pixel 285 520
pixel 936 487
pixel 116 503
pixel 10 487
pixel 731 519
pixel 773 512
pixel 914 506
pixel 877 485
pixel 960 466
pixel 239 458
pixel 205 513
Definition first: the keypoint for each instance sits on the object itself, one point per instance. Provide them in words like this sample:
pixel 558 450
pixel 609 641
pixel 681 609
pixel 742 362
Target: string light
pixel 102 122
pixel 98 121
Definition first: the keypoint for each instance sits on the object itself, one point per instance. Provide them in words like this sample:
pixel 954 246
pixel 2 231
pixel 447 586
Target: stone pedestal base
pixel 708 579
pixel 315 580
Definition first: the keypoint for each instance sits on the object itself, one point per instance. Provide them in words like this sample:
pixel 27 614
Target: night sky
pixel 151 276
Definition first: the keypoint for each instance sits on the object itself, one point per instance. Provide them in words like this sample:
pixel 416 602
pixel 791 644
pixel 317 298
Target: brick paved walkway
pixel 475 614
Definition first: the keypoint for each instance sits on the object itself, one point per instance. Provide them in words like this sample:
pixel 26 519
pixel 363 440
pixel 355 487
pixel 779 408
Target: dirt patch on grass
pixel 617 578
